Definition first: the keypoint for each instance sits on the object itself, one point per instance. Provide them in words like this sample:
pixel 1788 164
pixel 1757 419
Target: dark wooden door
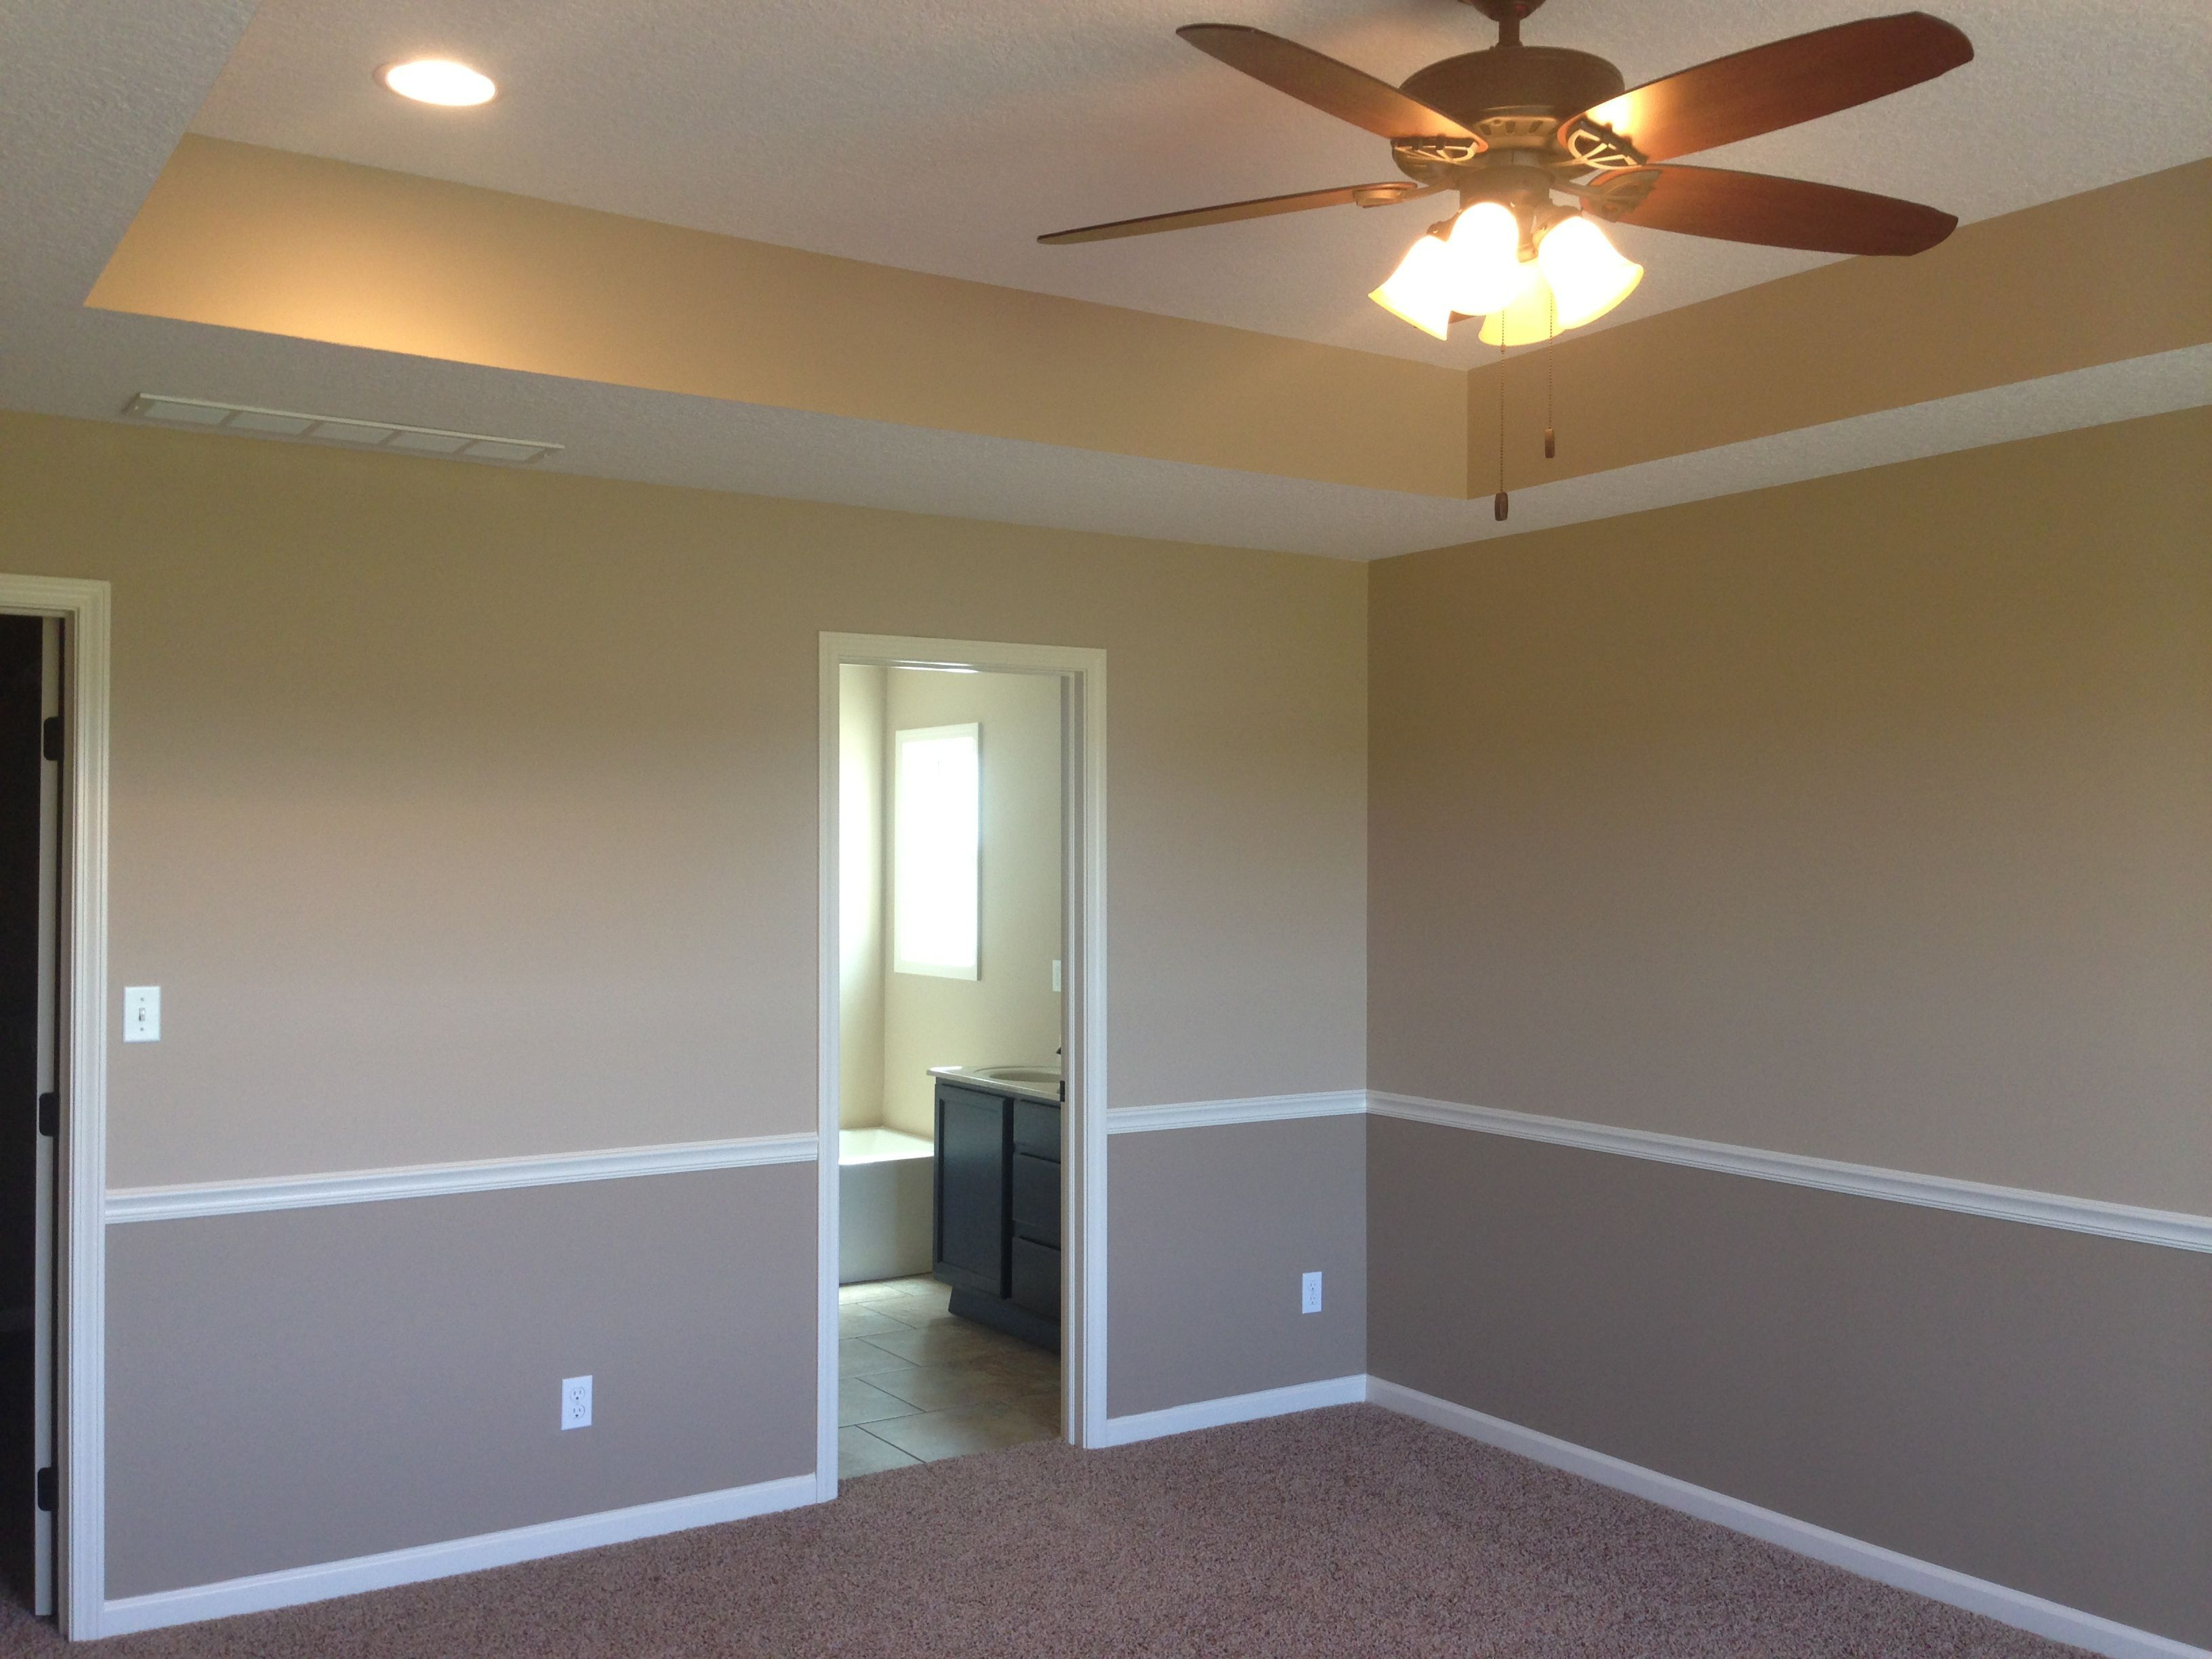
pixel 28 782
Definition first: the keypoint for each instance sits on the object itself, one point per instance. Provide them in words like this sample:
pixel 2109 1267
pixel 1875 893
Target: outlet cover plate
pixel 575 1402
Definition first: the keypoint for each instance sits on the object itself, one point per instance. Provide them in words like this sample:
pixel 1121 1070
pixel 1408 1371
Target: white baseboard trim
pixel 2009 1606
pixel 432 1180
pixel 2174 1229
pixel 266 1590
pixel 1260 1108
pixel 1236 1409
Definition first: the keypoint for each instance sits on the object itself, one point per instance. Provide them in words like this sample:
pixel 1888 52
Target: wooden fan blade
pixel 1384 195
pixel 1754 207
pixel 1311 77
pixel 1777 85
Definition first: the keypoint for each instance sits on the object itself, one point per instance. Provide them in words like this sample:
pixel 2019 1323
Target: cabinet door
pixel 972 1149
pixel 1036 1278
pixel 1036 1199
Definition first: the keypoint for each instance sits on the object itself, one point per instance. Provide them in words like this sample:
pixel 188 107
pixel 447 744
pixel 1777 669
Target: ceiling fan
pixel 1510 128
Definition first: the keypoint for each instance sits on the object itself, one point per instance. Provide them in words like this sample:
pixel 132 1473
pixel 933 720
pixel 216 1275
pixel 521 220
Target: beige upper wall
pixel 1009 1013
pixel 465 813
pixel 2125 271
pixel 279 243
pixel 1869 818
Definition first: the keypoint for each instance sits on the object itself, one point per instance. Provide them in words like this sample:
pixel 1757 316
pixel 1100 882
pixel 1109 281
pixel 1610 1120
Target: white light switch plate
pixel 142 1013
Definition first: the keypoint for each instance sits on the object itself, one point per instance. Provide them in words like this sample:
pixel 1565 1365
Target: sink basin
pixel 1035 1076
pixel 1037 1082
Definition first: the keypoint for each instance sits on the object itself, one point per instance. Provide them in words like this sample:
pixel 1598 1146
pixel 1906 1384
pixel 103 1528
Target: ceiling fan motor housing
pixel 1517 96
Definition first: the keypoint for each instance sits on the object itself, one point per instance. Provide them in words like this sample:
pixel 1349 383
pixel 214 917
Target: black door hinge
pixel 52 737
pixel 50 1112
pixel 46 1489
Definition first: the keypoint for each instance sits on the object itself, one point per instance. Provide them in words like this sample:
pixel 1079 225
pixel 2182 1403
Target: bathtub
pixel 885 1195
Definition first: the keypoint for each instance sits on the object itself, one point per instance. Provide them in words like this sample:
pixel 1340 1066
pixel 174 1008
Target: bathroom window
pixel 936 845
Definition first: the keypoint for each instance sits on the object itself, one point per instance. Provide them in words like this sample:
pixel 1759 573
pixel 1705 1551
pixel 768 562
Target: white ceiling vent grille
pixel 330 428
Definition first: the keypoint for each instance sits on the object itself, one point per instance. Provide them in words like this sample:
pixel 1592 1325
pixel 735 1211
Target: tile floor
pixel 915 1384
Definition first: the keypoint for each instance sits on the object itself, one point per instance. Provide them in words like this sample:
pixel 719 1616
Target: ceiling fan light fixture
pixel 1528 321
pixel 1488 273
pixel 1588 276
pixel 1420 290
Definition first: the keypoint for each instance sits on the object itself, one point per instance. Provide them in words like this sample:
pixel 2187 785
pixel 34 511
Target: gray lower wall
pixel 2026 1404
pixel 302 1386
pixel 1211 1232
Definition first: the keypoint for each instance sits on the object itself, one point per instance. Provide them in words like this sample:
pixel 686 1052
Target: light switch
pixel 1056 973
pixel 142 1013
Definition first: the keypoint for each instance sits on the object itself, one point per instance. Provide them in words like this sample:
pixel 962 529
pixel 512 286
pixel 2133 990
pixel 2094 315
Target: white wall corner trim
pixel 1260 1108
pixel 1236 1409
pixel 2007 1606
pixel 410 1566
pixel 435 1180
pixel 2172 1229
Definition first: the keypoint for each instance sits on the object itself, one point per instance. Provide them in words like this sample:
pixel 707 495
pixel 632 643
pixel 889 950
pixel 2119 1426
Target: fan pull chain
pixel 1551 334
pixel 1498 506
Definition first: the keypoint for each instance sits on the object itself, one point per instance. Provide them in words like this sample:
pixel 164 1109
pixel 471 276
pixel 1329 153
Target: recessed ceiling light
pixel 437 81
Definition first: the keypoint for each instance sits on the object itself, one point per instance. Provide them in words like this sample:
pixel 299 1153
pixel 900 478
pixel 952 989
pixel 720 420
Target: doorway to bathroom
pixel 963 998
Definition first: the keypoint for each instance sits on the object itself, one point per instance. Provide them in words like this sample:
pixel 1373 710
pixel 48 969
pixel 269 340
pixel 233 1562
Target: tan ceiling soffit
pixel 2110 275
pixel 274 242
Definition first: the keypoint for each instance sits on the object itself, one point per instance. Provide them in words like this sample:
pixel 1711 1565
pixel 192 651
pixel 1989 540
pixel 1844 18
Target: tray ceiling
pixel 944 135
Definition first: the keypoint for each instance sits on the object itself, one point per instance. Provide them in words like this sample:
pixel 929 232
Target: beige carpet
pixel 1352 1532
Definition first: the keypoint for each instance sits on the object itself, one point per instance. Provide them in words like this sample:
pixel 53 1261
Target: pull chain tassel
pixel 1498 505
pixel 1551 337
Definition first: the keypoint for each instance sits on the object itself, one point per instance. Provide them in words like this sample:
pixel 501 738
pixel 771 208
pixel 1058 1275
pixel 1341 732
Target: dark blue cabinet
pixel 998 1233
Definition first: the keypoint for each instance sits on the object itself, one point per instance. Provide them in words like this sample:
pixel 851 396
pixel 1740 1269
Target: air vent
pixel 333 429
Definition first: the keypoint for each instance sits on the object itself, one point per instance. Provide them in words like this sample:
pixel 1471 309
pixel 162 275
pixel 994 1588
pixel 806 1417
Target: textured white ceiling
pixel 944 135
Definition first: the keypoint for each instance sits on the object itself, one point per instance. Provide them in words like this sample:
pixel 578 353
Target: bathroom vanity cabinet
pixel 997 1234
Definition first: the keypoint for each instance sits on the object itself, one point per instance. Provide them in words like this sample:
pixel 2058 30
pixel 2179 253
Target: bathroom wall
pixel 862 808
pixel 1009 1011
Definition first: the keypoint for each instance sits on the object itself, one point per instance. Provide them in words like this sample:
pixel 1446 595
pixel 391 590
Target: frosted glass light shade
pixel 1527 321
pixel 1420 289
pixel 1588 277
pixel 1487 271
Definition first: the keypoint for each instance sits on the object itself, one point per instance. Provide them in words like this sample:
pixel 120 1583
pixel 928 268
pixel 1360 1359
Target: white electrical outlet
pixel 1309 1295
pixel 575 1402
pixel 142 1013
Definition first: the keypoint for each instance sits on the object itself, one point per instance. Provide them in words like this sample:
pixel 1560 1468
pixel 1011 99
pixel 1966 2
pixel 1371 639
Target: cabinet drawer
pixel 1036 1278
pixel 1036 1129
pixel 1036 1199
